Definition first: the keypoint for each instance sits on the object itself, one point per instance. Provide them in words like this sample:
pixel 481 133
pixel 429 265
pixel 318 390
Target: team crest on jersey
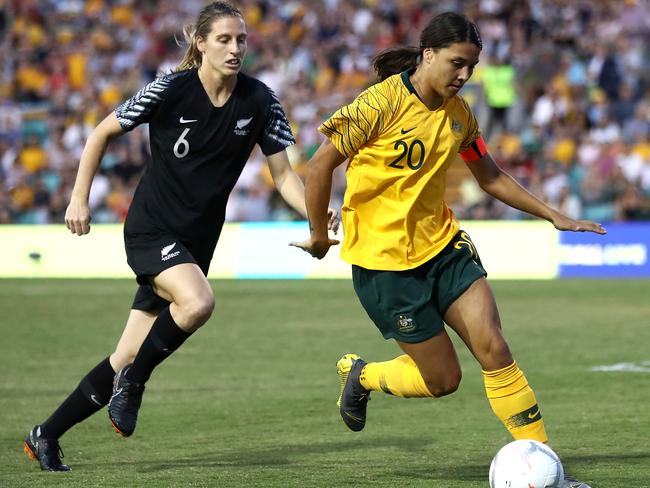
pixel 241 127
pixel 457 126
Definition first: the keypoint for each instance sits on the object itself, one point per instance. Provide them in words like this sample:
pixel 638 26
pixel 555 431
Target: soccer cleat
pixel 47 452
pixel 571 482
pixel 124 404
pixel 353 399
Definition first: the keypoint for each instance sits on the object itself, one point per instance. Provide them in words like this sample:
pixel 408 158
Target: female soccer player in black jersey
pixel 204 121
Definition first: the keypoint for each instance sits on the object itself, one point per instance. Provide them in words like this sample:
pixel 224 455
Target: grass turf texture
pixel 250 399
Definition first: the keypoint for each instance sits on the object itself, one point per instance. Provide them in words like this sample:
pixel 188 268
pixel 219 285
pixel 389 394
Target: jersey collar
pixel 407 81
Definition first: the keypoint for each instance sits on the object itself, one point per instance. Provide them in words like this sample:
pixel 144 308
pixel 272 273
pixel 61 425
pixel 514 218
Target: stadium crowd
pixel 562 93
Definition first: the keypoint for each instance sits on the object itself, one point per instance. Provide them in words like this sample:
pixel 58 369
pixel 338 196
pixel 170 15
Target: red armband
pixel 475 151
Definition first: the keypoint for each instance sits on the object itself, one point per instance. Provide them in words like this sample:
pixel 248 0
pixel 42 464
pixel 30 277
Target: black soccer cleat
pixel 124 403
pixel 353 399
pixel 47 452
pixel 571 482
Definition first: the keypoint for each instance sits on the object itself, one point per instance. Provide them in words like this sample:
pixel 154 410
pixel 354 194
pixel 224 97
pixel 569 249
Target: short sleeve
pixel 277 134
pixel 353 125
pixel 140 107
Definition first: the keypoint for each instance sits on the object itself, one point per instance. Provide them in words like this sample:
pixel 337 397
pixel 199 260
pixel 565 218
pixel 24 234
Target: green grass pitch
pixel 250 399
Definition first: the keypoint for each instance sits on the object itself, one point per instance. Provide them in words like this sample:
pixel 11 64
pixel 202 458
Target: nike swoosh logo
pixel 407 131
pixel 117 392
pixel 94 399
pixel 533 415
pixel 187 121
pixel 357 419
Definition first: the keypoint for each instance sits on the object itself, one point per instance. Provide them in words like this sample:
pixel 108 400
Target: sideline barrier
pixel 508 249
pixel 623 253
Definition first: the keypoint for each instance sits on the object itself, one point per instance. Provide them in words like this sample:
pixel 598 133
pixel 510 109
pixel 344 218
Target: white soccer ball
pixel 526 464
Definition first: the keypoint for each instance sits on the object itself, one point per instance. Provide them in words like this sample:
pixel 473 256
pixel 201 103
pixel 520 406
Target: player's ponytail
pixel 201 29
pixel 192 57
pixel 395 60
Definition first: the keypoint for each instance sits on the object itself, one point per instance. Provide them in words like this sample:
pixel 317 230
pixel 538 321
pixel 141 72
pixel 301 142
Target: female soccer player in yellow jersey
pixel 412 266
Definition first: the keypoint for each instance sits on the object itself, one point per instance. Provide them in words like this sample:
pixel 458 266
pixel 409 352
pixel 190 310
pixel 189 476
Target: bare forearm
pixel 88 164
pixel 292 191
pixel 505 188
pixel 317 197
pixel 318 187
pixel 107 130
pixel 502 186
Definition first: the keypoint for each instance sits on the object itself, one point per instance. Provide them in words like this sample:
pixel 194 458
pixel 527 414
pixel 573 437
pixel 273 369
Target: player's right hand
pixel 77 217
pixel 317 248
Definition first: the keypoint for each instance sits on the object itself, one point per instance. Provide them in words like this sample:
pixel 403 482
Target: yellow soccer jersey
pixel 393 214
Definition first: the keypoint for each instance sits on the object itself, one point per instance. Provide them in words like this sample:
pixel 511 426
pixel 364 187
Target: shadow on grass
pixel 283 455
pixel 587 461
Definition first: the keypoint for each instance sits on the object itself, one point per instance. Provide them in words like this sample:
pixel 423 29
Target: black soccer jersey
pixel 198 151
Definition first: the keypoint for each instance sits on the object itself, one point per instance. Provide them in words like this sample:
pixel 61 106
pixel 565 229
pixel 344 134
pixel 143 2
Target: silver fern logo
pixel 165 252
pixel 241 127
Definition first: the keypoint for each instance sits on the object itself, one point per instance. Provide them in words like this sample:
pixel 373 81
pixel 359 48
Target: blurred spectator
pixel 32 156
pixel 500 93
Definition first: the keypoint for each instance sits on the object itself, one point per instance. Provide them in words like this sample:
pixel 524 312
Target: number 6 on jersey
pixel 181 146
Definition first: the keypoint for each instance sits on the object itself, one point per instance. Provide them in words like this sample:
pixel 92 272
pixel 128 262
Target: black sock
pixel 163 339
pixel 92 393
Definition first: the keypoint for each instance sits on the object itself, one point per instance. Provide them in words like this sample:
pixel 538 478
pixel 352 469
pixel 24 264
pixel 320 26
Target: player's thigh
pixel 400 305
pixel 136 330
pixel 148 256
pixel 183 284
pixel 466 302
pixel 475 318
pixel 399 302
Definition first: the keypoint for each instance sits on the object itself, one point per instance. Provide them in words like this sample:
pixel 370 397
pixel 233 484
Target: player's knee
pixel 122 357
pixel 498 353
pixel 445 386
pixel 198 311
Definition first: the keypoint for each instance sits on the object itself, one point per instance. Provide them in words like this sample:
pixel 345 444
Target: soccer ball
pixel 526 464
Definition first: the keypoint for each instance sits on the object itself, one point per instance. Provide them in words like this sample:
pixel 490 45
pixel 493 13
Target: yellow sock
pixel 513 401
pixel 400 377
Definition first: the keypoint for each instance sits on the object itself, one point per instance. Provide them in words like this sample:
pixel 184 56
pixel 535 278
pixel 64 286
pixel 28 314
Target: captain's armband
pixel 475 151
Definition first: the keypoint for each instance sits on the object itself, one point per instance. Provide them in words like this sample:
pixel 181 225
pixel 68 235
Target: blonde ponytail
pixel 192 57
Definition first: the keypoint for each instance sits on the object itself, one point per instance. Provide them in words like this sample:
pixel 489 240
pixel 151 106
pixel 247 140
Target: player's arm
pixel 77 215
pixel 318 188
pixel 493 180
pixel 292 190
pixel 287 181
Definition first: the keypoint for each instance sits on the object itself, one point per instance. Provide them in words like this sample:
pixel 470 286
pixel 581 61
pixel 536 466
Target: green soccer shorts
pixel 409 305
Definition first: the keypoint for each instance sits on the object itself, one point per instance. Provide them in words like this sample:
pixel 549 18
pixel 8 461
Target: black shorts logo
pixel 165 253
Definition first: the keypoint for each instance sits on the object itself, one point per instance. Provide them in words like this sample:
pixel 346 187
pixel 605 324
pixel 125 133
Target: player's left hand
pixel 333 220
pixel 562 222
